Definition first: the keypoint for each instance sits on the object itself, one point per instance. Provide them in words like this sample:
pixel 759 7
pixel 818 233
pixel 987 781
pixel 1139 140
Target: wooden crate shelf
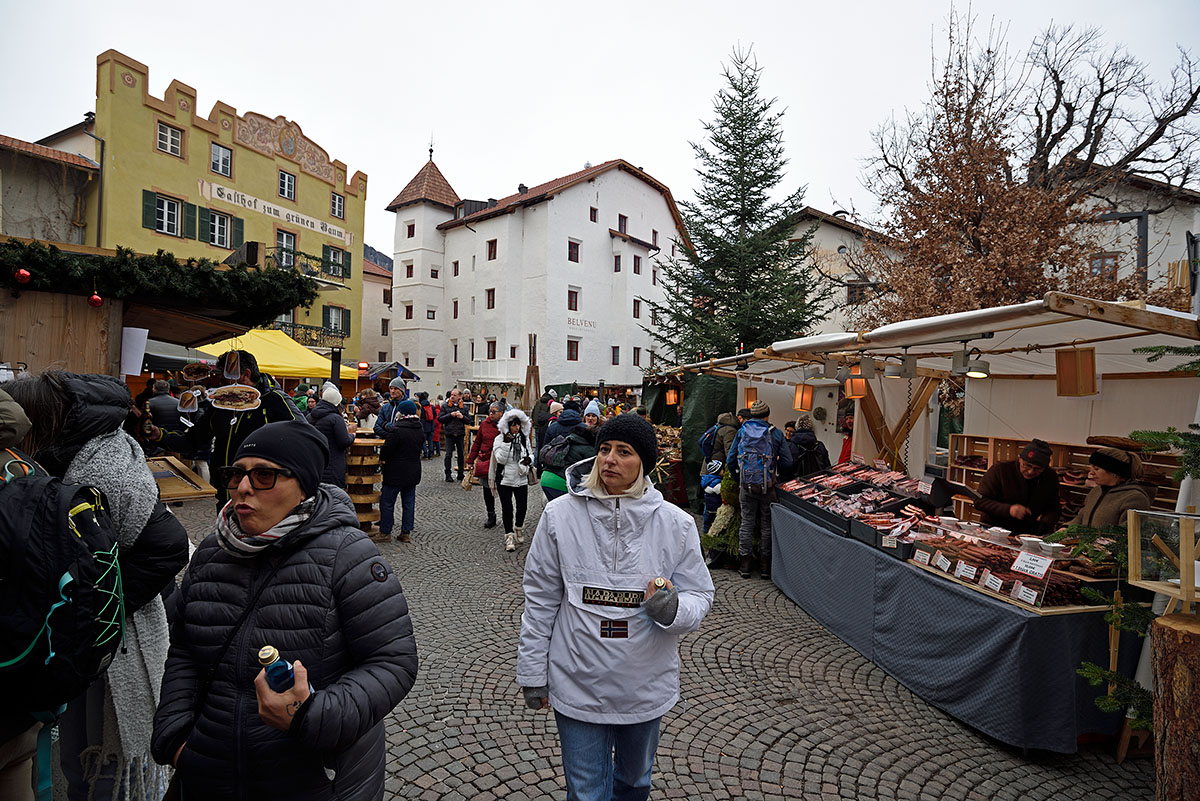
pixel 1158 468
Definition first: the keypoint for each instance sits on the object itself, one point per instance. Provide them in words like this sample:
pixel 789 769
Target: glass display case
pixel 1163 554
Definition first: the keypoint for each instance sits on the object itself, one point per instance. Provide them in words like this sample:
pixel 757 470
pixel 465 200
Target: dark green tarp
pixel 704 397
pixel 654 398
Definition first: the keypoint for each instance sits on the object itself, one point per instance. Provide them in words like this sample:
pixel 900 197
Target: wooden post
pixel 1175 655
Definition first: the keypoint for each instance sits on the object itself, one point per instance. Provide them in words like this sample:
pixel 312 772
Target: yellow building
pixel 198 186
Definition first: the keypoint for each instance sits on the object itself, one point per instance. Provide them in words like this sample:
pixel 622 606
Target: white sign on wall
pixel 213 191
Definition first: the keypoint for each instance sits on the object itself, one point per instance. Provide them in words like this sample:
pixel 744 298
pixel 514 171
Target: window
pixel 654 276
pixel 572 350
pixel 472 304
pixel 572 300
pixel 287 185
pixel 637 357
pixel 616 354
pixel 512 351
pixel 491 348
pixel 622 223
pixel 285 249
pixel 616 264
pixel 430 360
pixel 433 272
pixel 1104 265
pixel 170 140
pixel 472 350
pixel 337 319
pixel 431 314
pixel 408 270
pixel 454 309
pixel 383 356
pixel 672 251
pixel 593 214
pixel 166 216
pixel 654 238
pixel 337 206
pixel 856 293
pixel 454 349
pixel 573 251
pixel 222 160
pixel 383 327
pixel 387 297
pixel 491 249
pixel 218 229
pixel 408 311
pixel 637 265
pixel 637 307
pixel 491 299
pixel 455 266
pixel 412 230
pixel 336 258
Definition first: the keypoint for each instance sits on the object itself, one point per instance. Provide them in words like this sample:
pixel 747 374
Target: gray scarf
pixel 116 465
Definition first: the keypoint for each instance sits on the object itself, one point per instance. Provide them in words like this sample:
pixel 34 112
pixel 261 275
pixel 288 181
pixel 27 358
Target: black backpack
pixel 60 586
pixel 554 454
pixel 807 458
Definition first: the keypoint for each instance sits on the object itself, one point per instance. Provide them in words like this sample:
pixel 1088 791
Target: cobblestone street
pixel 773 705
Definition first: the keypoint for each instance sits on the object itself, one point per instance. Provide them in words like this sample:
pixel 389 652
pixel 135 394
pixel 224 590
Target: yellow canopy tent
pixel 279 355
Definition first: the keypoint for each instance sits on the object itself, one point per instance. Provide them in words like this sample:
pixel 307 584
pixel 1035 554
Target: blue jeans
pixel 387 507
pixel 607 762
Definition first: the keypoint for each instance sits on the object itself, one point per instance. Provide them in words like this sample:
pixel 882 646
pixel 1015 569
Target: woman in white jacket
pixel 614 576
pixel 508 474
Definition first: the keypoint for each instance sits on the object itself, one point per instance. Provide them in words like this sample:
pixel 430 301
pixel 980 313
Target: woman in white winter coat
pixel 509 473
pixel 613 578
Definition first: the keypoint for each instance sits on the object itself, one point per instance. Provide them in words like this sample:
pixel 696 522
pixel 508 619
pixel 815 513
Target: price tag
pixel 858 458
pixel 942 562
pixel 921 557
pixel 992 582
pixel 963 570
pixel 924 487
pixel 1028 595
pixel 1031 564
pixel 889 542
pixel 1016 588
pixel 880 464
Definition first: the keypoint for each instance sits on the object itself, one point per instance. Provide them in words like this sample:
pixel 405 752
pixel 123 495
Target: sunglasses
pixel 261 478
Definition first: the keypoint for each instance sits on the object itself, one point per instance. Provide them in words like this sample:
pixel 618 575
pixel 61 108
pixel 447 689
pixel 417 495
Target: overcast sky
pixel 523 92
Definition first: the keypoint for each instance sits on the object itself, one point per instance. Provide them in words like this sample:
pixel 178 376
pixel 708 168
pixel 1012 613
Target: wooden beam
pixel 913 413
pixel 875 423
pixel 1120 314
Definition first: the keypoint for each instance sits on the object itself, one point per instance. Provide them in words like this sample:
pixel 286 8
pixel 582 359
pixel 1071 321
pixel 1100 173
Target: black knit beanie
pixel 292 444
pixel 633 431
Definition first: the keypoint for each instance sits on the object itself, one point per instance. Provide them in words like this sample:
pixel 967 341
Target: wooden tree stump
pixel 1175 651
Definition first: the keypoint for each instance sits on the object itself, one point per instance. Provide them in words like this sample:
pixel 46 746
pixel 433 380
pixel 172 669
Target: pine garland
pixel 246 295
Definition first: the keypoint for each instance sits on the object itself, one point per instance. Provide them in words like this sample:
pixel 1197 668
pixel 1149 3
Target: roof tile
pixel 427 184
pixel 49 153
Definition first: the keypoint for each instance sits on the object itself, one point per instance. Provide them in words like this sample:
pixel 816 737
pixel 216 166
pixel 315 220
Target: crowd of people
pixel 286 569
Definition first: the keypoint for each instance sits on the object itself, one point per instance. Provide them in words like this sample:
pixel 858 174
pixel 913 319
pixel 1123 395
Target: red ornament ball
pixel 95 300
pixel 22 275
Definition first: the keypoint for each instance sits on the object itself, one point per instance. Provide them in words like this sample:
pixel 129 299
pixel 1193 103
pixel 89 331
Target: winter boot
pixel 509 542
pixel 404 537
pixel 764 568
pixel 449 477
pixel 491 522
pixel 519 534
pixel 744 568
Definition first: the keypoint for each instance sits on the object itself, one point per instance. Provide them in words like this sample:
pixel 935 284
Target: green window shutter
pixel 325 316
pixel 204 233
pixel 325 258
pixel 346 263
pixel 149 208
pixel 189 220
pixel 239 233
pixel 346 322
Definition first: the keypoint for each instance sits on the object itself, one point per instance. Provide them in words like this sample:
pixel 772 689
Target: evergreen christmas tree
pixel 742 281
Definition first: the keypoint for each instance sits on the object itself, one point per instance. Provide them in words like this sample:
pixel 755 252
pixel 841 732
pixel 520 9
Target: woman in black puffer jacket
pixel 288 559
pixel 326 418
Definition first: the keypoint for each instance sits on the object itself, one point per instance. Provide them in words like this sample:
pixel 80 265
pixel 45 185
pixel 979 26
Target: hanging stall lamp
pixel 802 401
pixel 978 368
pixel 855 386
pixel 672 396
pixel 751 396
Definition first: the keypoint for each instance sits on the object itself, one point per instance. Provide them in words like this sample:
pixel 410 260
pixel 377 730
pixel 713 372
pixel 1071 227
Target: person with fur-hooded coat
pixel 77 435
pixel 510 472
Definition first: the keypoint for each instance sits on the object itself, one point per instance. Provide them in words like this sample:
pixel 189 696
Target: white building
pixel 572 260
pixel 376 313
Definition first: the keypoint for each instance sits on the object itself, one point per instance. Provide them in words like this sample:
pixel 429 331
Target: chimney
pixel 491 203
pixel 522 189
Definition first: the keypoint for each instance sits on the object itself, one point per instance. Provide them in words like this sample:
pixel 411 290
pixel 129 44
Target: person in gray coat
pixel 286 566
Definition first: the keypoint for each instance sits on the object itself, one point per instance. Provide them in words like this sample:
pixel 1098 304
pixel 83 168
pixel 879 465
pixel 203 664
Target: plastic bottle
pixel 280 676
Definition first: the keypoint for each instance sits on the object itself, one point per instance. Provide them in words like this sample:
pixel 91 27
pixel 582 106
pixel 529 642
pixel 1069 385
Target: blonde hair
pixel 596 484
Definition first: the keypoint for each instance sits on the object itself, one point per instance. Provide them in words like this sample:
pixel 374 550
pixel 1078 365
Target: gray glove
pixel 535 695
pixel 662 606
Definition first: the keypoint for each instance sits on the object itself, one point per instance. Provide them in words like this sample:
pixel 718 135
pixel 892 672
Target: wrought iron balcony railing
pixel 307 264
pixel 312 336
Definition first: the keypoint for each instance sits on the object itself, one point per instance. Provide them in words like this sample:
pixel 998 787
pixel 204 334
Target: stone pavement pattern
pixel 773 705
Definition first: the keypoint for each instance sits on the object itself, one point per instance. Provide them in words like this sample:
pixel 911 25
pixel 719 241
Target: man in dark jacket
pixel 809 454
pixel 326 418
pixel 397 392
pixel 285 566
pixel 1021 495
pixel 227 429
pixel 401 455
pixel 727 427
pixel 756 502
pixel 164 409
pixel 540 417
pixel 454 419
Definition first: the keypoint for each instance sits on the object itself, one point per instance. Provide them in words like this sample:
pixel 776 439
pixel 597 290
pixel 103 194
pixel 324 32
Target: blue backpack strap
pixel 45 789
